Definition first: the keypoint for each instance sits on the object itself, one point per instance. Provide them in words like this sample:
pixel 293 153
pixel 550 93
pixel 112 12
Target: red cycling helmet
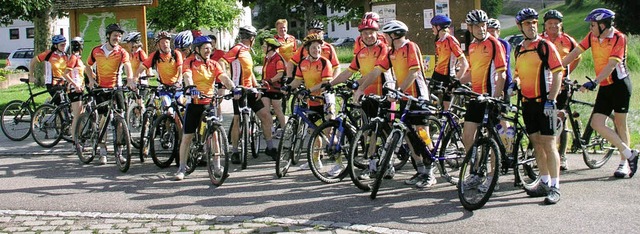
pixel 368 24
pixel 196 33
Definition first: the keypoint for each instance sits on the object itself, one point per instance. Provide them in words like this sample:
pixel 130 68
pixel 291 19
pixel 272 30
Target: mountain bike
pixel 16 115
pixel 164 135
pixel 50 123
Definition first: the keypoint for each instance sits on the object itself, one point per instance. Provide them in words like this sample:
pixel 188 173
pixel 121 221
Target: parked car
pixel 20 59
pixel 514 40
pixel 344 41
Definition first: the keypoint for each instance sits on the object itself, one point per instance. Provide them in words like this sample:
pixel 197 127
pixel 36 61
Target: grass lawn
pixel 21 92
pixel 3 63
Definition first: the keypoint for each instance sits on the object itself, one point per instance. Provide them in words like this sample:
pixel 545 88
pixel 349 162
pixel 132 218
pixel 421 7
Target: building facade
pixel 20 34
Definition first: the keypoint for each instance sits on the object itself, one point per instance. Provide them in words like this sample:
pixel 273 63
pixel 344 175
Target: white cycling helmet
pixel 476 17
pixel 395 26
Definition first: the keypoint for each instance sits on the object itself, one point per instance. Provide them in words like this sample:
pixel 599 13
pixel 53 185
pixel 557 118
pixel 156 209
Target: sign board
pixel 442 7
pixel 428 15
pixel 387 12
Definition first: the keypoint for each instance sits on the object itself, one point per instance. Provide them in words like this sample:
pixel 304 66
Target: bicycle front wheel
pixel 391 145
pixel 135 115
pixel 121 143
pixel 597 150
pixel 286 147
pixel 46 126
pixel 255 131
pixel 367 145
pixel 145 133
pixel 163 143
pixel 86 137
pixel 245 140
pixel 327 151
pixel 479 174
pixel 217 153
pixel 16 120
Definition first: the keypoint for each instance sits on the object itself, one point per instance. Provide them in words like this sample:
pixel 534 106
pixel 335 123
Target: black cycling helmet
pixel 114 27
pixel 315 24
pixel 77 44
pixel 553 14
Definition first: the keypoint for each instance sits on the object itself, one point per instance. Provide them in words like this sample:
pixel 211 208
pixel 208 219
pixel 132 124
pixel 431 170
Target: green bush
pixel 345 54
pixel 4 73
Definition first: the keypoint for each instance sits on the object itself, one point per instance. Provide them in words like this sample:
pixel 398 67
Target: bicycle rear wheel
pixel 86 137
pixel 391 145
pixel 286 147
pixel 327 151
pixel 451 156
pixel 217 153
pixel 163 143
pixel 46 126
pixel 145 133
pixel 196 152
pixel 367 145
pixel 478 165
pixel 135 115
pixel 526 165
pixel 16 120
pixel 244 131
pixel 597 150
pixel 121 143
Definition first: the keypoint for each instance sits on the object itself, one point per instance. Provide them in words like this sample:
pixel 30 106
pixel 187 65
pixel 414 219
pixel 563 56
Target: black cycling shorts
pixel 614 97
pixel 192 117
pixel 273 95
pixel 75 97
pixel 107 96
pixel 536 121
pixel 446 81
pixel 254 103
pixel 475 112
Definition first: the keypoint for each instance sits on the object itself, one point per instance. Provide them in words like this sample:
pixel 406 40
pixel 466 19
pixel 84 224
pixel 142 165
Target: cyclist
pixel 199 71
pixel 55 63
pixel 359 41
pixel 493 28
pixel 539 70
pixel 74 75
pixel 108 59
pixel 314 72
pixel 182 43
pixel 272 78
pixel 554 33
pixel 448 54
pixel 328 51
pixel 609 49
pixel 241 64
pixel 406 60
pixel 288 45
pixel 216 55
pixel 487 66
pixel 364 62
pixel 138 56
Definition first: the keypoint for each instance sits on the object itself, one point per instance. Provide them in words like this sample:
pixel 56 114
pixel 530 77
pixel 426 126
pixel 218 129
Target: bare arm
pixel 500 84
pixel 556 83
pixel 571 56
pixel 464 66
pixel 344 76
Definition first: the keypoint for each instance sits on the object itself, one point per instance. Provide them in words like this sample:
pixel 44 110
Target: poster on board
pixel 387 12
pixel 442 7
pixel 428 15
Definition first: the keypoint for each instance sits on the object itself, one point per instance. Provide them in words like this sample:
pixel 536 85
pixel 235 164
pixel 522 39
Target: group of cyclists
pixel 384 57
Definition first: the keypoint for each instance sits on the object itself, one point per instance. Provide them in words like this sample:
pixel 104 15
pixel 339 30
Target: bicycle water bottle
pixel 503 135
pixel 510 135
pixel 424 136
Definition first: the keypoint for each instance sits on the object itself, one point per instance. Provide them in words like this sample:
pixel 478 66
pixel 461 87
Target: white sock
pixel 545 179
pixel 623 162
pixel 627 153
pixel 555 182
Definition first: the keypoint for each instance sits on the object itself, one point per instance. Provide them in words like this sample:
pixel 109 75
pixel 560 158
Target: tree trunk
pixel 41 41
pixel 309 12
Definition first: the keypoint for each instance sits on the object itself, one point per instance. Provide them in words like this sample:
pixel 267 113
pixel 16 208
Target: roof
pixel 89 4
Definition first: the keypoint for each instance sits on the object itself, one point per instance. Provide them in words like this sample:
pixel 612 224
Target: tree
pixel 39 12
pixel 625 14
pixel 193 14
pixel 492 7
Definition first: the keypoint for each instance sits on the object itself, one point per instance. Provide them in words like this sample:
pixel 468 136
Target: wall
pixel 8 45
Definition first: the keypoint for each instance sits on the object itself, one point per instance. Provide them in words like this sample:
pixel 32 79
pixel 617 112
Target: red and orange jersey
pixel 239 57
pixel 535 78
pixel 76 68
pixel 360 43
pixel 217 55
pixel 486 58
pixel 614 46
pixel 203 74
pixel 137 58
pixel 448 50
pixel 313 73
pixel 404 59
pixel 365 61
pixel 272 66
pixel 288 46
pixel 166 66
pixel 108 65
pixel 565 44
pixel 328 52
pixel 54 68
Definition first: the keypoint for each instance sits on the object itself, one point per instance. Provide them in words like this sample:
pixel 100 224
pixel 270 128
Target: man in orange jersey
pixel 609 49
pixel 359 44
pixel 288 44
pixel 539 72
pixel 448 54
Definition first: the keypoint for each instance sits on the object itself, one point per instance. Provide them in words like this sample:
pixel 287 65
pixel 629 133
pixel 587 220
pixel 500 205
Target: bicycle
pixel 448 134
pixel 50 123
pixel 151 113
pixel 16 115
pixel 135 110
pixel 250 128
pixel 588 141
pixel 89 133
pixel 164 135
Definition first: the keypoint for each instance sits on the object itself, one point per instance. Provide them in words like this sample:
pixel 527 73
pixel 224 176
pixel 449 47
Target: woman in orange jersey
pixel 55 63
pixel 272 75
pixel 75 77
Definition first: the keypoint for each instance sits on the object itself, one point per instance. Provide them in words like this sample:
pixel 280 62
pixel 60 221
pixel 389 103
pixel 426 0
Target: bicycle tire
pixel 390 146
pixel 195 152
pixel 255 133
pixel 245 140
pixel 597 151
pixel 222 153
pixel 359 154
pixel 86 134
pixel 135 113
pixel 451 155
pixel 286 147
pixel 526 165
pixel 14 124
pixel 121 143
pixel 470 196
pixel 329 155
pixel 145 134
pixel 163 143
pixel 46 126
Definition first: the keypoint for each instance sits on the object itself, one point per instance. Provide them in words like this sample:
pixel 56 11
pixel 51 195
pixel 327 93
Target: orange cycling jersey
pixel 447 51
pixel 166 66
pixel 328 52
pixel 108 65
pixel 614 46
pixel 314 73
pixel 272 66
pixel 402 60
pixel 365 61
pixel 565 44
pixel 202 73
pixel 239 57
pixel 288 46
pixel 137 58
pixel 360 43
pixel 535 76
pixel 486 58
pixel 76 68
pixel 54 67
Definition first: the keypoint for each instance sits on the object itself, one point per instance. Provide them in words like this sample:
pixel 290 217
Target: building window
pixel 347 24
pixel 333 26
pixel 31 32
pixel 331 10
pixel 14 34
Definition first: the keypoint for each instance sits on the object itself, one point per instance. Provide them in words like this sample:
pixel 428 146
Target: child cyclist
pixel 272 75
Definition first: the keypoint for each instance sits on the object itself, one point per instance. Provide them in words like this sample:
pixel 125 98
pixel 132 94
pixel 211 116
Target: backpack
pixel 156 58
pixel 544 56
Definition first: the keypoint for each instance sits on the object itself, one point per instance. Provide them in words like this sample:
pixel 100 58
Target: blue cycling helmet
pixel 525 14
pixel 183 39
pixel 57 39
pixel 600 14
pixel 199 41
pixel 441 20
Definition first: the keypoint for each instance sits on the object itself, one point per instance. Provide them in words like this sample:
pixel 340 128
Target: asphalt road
pixel 32 178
